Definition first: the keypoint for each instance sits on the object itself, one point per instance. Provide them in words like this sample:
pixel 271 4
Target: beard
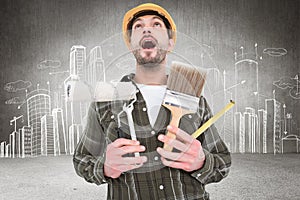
pixel 150 61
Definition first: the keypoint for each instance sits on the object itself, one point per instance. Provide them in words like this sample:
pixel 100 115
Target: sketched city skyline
pixel 55 119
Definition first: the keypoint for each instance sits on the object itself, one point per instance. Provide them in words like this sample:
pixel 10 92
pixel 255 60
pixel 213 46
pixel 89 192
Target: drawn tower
pixel 38 105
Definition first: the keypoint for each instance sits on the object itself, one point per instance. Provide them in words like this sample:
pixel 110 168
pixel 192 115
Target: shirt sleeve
pixel 217 156
pixel 89 155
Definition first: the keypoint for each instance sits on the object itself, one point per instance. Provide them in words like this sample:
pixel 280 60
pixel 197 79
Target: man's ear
pixel 171 45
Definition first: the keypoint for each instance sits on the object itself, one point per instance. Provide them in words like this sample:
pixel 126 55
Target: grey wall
pixel 34 31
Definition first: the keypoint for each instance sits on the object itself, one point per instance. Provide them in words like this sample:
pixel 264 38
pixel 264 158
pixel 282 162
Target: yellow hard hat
pixel 147 9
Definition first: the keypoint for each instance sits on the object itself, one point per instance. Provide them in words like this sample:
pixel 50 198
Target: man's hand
pixel 115 163
pixel 191 156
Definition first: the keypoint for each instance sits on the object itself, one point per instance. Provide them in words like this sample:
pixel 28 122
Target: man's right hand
pixel 115 163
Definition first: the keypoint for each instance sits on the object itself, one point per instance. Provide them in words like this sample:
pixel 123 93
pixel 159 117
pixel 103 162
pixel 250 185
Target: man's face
pixel 149 40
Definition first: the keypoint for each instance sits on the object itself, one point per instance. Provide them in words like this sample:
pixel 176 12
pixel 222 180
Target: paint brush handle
pixel 176 113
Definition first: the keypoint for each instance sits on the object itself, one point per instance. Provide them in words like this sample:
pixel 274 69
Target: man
pixel 105 153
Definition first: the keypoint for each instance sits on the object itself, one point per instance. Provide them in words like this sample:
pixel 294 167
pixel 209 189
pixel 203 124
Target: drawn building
pixel 239 133
pixel 262 129
pixel 273 109
pixel 74 136
pixel 38 105
pixel 290 144
pixel 78 61
pixel 26 138
pixel 2 149
pixel 18 144
pixel 59 129
pixel 95 70
pixel 12 142
pixel 75 111
pixel 251 132
pixel 49 139
pixel 246 69
pixel 7 151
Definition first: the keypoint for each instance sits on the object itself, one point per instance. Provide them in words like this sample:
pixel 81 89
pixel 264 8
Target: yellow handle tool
pixel 212 120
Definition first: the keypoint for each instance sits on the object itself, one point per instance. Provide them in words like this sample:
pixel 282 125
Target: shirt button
pixel 144 109
pixel 161 187
pixel 153 132
pixel 112 117
pixel 190 116
pixel 198 175
pixel 155 157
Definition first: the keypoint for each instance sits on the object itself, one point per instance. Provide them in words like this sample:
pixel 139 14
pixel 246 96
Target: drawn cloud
pixel 284 83
pixel 17 86
pixel 275 51
pixel 15 100
pixel 49 64
pixel 291 84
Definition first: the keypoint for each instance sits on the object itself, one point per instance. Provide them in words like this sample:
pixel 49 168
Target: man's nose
pixel 147 29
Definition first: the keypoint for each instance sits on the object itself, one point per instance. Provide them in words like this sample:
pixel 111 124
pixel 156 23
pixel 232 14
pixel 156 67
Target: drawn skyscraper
pixel 18 144
pixel 77 61
pixel 251 132
pixel 38 105
pixel 74 136
pixel 239 133
pixel 2 148
pixel 26 137
pixel 12 142
pixel 7 151
pixel 95 70
pixel 248 130
pixel 262 129
pixel 77 69
pixel 273 125
pixel 59 129
pixel 50 143
pixel 246 68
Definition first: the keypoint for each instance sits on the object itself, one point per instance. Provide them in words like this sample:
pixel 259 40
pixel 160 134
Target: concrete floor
pixel 251 177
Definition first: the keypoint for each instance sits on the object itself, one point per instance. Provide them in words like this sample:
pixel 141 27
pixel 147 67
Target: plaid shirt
pixel 152 180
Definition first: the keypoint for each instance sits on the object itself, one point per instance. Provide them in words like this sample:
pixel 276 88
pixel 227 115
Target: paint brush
pixel 184 87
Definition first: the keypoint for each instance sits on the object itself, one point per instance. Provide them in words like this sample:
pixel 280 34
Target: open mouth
pixel 148 43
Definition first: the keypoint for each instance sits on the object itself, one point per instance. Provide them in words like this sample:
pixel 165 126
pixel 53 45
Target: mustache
pixel 147 36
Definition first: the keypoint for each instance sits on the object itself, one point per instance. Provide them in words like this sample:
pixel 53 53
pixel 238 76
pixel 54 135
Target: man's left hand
pixel 191 156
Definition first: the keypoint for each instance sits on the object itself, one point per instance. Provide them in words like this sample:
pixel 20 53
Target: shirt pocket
pixel 110 125
pixel 190 122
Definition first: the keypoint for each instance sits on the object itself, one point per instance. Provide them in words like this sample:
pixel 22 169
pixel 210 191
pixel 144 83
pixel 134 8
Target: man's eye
pixel 137 26
pixel 157 24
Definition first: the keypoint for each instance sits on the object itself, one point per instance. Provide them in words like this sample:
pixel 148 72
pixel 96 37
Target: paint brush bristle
pixel 186 79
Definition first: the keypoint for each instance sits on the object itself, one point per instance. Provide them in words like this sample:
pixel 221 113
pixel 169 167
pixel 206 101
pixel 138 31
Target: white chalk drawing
pixel 276 52
pixel 95 70
pixel 289 83
pixel 261 130
pixel 15 100
pixel 290 144
pixel 17 86
pixel 255 130
pixel 46 64
pixel 14 138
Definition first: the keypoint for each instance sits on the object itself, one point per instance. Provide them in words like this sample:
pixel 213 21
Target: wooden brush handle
pixel 176 113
